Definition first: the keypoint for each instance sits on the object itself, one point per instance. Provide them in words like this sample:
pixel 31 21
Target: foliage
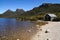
pixel 34 14
pixel 56 19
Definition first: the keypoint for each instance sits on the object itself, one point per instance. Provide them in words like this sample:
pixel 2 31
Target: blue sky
pixel 22 4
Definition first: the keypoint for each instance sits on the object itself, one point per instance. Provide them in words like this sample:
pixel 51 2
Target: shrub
pixel 56 19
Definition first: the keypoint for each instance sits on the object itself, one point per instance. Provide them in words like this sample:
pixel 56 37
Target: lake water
pixel 11 26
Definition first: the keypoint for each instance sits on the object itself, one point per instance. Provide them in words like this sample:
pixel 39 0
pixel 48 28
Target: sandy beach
pixel 53 33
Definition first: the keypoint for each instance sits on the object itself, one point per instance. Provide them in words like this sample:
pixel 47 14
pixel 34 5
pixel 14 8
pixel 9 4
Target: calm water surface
pixel 12 29
pixel 11 24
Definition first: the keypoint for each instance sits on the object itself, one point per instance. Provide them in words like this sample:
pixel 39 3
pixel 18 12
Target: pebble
pixel 37 25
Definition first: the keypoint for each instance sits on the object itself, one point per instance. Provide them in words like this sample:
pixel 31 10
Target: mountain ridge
pixel 37 12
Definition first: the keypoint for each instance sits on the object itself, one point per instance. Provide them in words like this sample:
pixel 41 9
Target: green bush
pixel 56 19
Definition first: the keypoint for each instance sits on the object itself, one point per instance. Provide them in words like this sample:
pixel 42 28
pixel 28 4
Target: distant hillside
pixel 19 12
pixel 12 14
pixel 37 12
pixel 9 13
pixel 45 8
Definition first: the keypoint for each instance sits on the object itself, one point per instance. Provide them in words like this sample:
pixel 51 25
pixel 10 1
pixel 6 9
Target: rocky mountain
pixel 36 12
pixel 19 11
pixel 12 14
pixel 9 13
pixel 43 9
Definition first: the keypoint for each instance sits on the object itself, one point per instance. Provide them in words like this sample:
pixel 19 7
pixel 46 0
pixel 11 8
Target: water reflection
pixel 16 29
pixel 14 24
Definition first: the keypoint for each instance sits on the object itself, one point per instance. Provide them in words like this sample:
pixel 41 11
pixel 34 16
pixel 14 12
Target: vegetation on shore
pixel 34 14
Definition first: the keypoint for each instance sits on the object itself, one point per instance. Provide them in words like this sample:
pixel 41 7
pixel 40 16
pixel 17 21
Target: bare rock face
pixel 20 11
pixel 9 13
